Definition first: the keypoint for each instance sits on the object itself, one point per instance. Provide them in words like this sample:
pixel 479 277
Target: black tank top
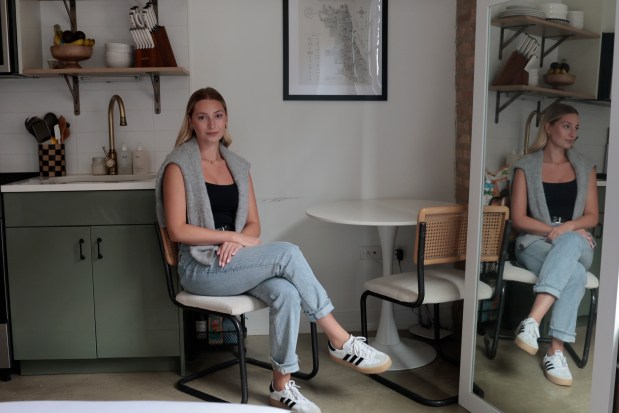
pixel 224 202
pixel 560 198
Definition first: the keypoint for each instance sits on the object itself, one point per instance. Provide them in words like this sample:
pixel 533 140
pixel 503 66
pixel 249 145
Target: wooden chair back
pixel 170 248
pixel 442 231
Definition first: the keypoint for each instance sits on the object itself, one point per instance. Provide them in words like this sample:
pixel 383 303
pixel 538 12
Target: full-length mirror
pixel 529 57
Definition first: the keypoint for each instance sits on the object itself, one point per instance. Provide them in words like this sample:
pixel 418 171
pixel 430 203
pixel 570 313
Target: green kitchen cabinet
pixel 52 307
pixel 86 277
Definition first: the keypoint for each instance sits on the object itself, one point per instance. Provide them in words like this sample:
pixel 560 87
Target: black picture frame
pixel 325 58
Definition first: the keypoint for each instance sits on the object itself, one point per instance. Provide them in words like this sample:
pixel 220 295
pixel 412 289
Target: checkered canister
pixel 52 160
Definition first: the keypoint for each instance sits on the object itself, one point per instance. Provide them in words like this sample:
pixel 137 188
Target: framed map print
pixel 335 49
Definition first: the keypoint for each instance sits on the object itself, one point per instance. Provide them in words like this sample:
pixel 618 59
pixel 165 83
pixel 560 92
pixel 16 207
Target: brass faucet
pixel 111 155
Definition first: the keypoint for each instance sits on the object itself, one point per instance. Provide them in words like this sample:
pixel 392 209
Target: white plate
pixel 517 13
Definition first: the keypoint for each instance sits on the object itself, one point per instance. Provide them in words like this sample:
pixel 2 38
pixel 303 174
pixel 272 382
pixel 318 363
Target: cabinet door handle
pixel 82 257
pixel 99 248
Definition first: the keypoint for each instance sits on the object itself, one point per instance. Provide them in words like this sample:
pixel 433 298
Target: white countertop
pixel 82 183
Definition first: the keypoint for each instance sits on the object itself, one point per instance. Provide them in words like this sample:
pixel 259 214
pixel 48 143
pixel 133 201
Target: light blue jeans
pixel 561 267
pixel 276 273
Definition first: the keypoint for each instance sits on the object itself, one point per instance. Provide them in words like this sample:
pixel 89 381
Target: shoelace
pixel 295 394
pixel 533 330
pixel 559 358
pixel 359 348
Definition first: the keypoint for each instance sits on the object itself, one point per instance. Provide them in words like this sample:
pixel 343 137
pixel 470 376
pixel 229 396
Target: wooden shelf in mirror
pixel 543 28
pixel 542 91
pixel 519 90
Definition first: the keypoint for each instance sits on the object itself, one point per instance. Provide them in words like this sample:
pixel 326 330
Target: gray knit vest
pixel 531 165
pixel 199 213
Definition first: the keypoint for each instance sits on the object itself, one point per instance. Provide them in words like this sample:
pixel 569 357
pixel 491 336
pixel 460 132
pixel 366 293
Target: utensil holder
pixel 52 160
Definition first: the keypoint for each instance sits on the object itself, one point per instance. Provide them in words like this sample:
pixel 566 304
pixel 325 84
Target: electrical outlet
pixel 371 253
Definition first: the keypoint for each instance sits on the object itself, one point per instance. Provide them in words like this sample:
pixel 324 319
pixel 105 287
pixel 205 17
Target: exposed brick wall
pixel 465 63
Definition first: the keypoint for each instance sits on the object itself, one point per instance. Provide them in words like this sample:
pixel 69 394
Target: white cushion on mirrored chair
pixel 512 272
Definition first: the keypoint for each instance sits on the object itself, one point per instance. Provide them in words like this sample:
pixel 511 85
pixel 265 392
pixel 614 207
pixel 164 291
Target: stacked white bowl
pixel 554 10
pixel 119 55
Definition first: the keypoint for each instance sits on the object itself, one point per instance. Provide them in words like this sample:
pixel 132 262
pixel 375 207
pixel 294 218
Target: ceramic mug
pixel 576 18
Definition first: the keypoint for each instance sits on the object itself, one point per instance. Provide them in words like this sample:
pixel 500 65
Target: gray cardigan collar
pixel 199 213
pixel 531 165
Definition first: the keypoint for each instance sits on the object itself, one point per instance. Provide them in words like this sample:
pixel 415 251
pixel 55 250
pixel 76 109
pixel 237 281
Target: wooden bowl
pixel 71 54
pixel 559 80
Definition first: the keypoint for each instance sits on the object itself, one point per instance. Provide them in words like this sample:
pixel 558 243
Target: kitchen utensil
pixel 50 120
pixel 57 133
pixel 64 128
pixel 162 42
pixel 142 29
pixel 513 72
pixel 37 127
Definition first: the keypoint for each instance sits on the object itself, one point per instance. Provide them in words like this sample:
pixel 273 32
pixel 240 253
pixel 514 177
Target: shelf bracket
pixel 545 52
pixel 499 108
pixel 504 43
pixel 156 81
pixel 74 87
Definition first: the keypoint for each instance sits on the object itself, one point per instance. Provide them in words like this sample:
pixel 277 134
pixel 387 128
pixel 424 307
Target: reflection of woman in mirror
pixel 554 202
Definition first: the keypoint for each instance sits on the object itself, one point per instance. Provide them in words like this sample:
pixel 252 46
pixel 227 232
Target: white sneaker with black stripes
pixel 290 398
pixel 356 354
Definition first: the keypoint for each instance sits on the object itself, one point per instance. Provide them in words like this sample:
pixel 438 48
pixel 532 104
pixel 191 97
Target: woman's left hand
pixel 226 251
pixel 558 230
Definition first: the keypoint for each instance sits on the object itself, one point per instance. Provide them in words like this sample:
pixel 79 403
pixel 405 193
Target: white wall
pixel 302 153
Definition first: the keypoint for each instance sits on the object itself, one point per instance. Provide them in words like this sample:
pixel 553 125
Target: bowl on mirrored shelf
pixel 71 54
pixel 559 80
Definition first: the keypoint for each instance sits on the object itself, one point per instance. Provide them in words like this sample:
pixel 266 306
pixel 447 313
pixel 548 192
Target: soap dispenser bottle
pixel 125 162
pixel 140 161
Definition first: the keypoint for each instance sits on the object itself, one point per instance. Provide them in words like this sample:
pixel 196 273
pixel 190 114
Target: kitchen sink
pixel 78 179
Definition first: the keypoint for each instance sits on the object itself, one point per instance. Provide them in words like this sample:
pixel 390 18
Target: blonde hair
pixel 207 93
pixel 550 116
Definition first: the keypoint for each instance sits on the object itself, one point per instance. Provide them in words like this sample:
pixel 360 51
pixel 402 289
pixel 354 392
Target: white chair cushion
pixel 455 276
pixel 233 305
pixel 441 286
pixel 514 273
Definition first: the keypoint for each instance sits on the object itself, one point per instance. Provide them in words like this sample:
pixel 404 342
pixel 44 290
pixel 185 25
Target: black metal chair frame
pixel 436 341
pixel 491 342
pixel 239 355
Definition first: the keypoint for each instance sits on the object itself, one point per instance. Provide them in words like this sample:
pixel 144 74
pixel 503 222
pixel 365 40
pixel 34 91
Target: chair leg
pixel 581 361
pixel 491 343
pixel 392 385
pixel 242 361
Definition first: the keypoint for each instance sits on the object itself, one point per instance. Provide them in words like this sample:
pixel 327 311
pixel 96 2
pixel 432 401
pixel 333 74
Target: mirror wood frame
pixel 607 324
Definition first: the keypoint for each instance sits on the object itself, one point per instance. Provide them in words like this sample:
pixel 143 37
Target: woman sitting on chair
pixel 205 198
pixel 554 202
